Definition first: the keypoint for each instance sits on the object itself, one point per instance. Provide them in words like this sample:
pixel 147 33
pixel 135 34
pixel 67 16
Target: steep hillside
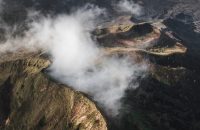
pixel 31 100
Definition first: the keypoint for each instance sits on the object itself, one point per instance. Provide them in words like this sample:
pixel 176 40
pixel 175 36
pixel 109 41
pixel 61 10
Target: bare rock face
pixel 30 100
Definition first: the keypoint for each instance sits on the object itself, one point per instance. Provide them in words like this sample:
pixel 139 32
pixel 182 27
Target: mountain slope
pixel 31 100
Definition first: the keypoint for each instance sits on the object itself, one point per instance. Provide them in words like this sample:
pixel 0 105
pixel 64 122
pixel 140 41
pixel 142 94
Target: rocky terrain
pixel 166 38
pixel 31 100
pixel 166 99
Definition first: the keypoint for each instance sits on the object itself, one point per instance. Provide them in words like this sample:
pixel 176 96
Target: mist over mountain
pixel 99 64
pixel 185 14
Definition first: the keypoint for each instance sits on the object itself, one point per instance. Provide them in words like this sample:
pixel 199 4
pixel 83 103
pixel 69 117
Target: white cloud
pixel 77 60
pixel 127 6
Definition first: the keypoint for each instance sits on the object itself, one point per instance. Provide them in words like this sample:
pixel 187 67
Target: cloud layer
pixel 77 60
